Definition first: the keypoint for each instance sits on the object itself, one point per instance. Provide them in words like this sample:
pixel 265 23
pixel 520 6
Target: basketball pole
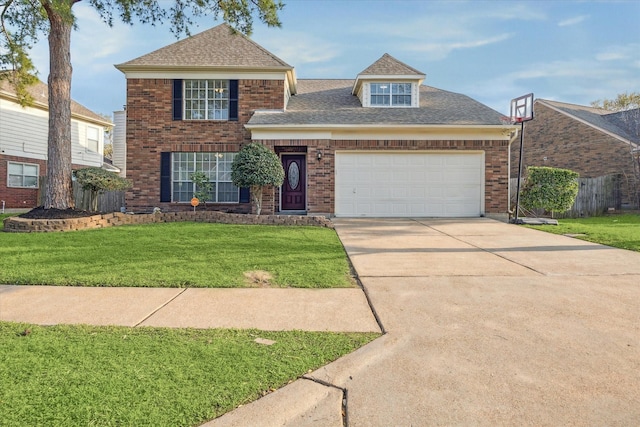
pixel 517 220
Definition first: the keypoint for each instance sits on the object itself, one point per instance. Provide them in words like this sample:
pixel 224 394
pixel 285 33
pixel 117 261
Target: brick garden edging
pixel 24 225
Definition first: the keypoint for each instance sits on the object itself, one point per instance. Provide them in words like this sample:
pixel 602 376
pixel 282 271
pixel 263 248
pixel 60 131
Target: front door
pixel 294 188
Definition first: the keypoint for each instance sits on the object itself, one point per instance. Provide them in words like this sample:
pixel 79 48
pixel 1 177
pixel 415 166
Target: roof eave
pixel 147 68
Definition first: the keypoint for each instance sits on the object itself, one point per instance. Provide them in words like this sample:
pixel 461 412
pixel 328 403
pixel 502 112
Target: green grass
pixel 108 376
pixel 620 231
pixel 176 255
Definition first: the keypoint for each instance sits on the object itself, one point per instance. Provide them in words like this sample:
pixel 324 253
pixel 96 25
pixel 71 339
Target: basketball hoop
pixel 522 109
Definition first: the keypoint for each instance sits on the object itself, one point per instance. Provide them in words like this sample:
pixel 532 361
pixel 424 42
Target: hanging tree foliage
pixel 23 22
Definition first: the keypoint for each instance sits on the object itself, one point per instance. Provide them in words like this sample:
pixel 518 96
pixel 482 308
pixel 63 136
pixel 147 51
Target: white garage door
pixel 405 184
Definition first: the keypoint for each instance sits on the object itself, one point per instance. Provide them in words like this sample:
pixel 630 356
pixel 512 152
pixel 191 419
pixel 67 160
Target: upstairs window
pixel 390 94
pixel 93 139
pixel 206 99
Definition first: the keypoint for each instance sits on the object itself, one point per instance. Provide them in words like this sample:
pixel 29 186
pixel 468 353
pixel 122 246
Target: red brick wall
pixel 320 176
pixel 151 131
pixel 556 140
pixel 18 198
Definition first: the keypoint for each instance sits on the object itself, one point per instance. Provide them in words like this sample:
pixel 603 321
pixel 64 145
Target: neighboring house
pixel 381 145
pixel 591 141
pixel 23 143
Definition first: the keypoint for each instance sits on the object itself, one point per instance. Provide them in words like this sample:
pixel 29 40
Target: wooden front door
pixel 294 188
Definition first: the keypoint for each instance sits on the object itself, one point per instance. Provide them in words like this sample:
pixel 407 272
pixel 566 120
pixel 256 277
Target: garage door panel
pixel 409 184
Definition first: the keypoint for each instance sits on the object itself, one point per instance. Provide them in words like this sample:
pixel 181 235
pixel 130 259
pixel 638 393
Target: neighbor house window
pixel 24 175
pixel 217 166
pixel 206 99
pixel 391 94
pixel 93 139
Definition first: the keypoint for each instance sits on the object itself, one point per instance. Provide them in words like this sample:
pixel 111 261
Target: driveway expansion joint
pixel 160 307
pixel 345 397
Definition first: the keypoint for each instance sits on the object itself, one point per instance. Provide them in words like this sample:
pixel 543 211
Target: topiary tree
pixel 256 166
pixel 551 189
pixel 97 180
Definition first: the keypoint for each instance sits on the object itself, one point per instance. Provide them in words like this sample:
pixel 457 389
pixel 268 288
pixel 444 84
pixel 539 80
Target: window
pixel 391 94
pixel 93 139
pixel 216 165
pixel 206 99
pixel 23 175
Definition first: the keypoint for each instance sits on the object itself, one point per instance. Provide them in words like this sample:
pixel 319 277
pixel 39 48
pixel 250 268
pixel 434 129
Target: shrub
pixel 97 180
pixel 551 189
pixel 203 186
pixel 256 166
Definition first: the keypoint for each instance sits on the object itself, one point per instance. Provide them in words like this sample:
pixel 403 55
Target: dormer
pixel 388 83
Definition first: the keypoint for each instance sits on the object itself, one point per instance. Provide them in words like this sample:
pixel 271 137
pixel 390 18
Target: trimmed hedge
pixel 551 189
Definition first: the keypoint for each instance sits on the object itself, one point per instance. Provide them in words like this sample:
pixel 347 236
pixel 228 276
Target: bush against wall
pixel 551 189
pixel 97 180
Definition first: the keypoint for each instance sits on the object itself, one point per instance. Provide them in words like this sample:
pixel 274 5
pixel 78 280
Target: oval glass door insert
pixel 293 175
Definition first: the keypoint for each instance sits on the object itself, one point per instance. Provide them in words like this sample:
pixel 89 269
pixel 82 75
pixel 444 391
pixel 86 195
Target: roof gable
pixel 218 47
pixel 387 65
pixel 616 124
pixel 40 94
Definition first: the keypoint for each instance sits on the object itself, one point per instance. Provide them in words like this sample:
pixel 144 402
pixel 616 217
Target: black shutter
pixel 244 195
pixel 165 177
pixel 233 100
pixel 177 99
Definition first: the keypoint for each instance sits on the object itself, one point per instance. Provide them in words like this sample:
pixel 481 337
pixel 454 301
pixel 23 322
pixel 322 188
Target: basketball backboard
pixel 522 109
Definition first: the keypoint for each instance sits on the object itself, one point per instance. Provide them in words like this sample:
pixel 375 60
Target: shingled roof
pixel 387 65
pixel 218 47
pixel 330 102
pixel 40 93
pixel 621 123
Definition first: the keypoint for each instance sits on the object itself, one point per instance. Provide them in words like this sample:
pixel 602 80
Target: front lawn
pixel 620 231
pixel 177 255
pixel 108 376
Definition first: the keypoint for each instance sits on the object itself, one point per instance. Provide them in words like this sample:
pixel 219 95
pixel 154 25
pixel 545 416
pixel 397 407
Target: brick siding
pixel 19 198
pixel 553 139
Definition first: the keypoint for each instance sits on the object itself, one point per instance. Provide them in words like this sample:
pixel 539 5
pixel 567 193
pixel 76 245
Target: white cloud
pixel 443 49
pixel 298 49
pixel 572 21
pixel 620 52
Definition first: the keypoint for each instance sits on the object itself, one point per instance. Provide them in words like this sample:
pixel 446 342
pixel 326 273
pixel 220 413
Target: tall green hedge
pixel 551 189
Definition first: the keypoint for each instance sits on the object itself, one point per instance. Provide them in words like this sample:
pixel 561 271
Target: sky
pixel 493 51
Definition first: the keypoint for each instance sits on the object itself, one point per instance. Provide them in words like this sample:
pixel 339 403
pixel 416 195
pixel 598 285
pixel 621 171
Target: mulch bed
pixel 41 213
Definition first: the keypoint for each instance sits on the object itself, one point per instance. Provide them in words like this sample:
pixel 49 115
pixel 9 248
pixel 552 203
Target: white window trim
pixel 87 146
pixel 366 92
pixel 23 164
pixel 218 156
pixel 206 100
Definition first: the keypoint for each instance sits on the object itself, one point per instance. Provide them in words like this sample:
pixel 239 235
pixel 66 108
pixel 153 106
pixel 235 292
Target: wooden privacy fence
pixel 108 201
pixel 595 196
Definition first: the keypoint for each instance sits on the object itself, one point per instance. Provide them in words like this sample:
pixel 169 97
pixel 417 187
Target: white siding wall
pixel 24 133
pixel 120 141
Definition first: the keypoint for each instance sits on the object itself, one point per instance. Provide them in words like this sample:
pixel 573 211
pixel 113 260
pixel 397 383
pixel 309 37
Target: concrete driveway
pixel 486 323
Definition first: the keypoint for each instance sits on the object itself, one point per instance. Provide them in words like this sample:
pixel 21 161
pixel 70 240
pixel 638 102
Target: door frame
pixel 306 193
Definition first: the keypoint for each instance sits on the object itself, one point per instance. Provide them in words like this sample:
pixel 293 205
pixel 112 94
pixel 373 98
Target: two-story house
pixel 382 144
pixel 23 143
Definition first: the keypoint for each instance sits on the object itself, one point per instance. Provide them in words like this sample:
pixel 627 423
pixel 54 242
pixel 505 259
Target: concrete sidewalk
pixel 339 310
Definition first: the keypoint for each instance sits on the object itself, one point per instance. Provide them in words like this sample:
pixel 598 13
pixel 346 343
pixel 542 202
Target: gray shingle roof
pixel 219 46
pixel 330 102
pixel 389 66
pixel 622 124
pixel 40 93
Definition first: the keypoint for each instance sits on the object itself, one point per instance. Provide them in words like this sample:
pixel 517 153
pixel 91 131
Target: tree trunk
pixel 256 195
pixel 59 193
